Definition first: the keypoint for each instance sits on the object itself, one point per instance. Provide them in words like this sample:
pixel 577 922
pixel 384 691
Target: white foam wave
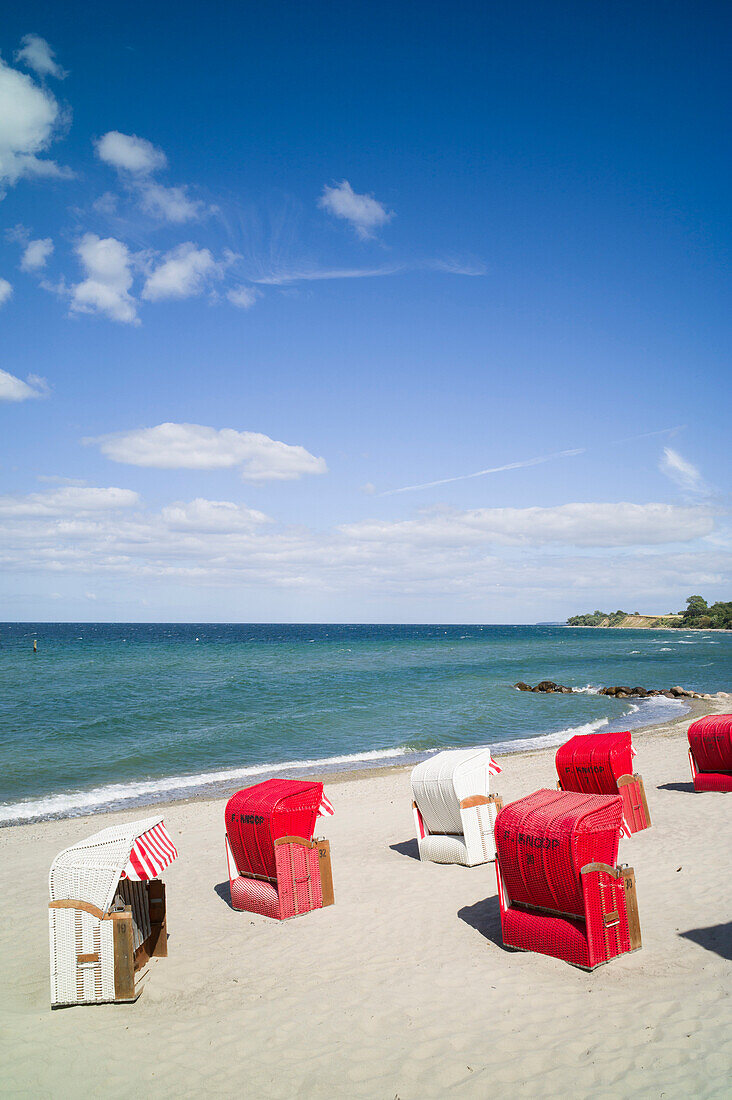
pixel 547 740
pixel 74 803
pixel 588 689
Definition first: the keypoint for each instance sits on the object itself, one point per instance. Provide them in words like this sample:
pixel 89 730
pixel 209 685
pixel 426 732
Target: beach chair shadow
pixel 716 938
pixel 685 788
pixel 485 917
pixel 406 848
pixel 223 889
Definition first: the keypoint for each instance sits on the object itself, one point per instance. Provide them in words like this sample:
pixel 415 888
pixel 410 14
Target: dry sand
pixel 402 989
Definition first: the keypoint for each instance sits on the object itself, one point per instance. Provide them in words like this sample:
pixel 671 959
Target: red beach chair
pixel 559 890
pixel 275 866
pixel 710 752
pixel 602 763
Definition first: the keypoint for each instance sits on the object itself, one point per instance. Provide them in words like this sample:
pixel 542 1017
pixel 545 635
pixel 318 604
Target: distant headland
pixel 698 616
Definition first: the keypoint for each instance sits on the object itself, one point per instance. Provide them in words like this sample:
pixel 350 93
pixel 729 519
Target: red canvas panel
pixel 259 815
pixel 710 740
pixel 545 839
pixel 592 763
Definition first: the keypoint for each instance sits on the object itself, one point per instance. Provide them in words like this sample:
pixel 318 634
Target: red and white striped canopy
pixel 151 853
pixel 325 807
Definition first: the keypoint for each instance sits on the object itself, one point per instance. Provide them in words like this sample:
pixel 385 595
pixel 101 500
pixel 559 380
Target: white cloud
pixel 30 118
pixel 106 203
pixel 6 291
pixel 196 447
pixel 220 543
pixel 211 515
pixel 68 500
pixel 182 273
pixel 37 55
pixel 243 297
pixel 13 389
pixel 682 472
pixel 137 160
pixel 363 212
pixel 584 525
pixel 172 204
pixel 106 288
pixel 129 153
pixel 36 254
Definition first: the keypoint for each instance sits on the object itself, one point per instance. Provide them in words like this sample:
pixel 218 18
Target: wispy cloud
pixel 489 470
pixel 682 472
pixel 284 276
pixel 305 275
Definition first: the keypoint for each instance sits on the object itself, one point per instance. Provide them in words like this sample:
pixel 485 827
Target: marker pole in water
pixel 35 645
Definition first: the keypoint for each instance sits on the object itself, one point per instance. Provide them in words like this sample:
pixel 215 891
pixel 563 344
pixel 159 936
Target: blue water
pixel 113 715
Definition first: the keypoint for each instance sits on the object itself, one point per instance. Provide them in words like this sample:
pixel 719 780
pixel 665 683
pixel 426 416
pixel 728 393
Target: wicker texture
pixel 253 896
pixel 259 815
pixel 90 870
pixel 280 880
pixel 592 763
pixel 710 745
pixel 72 932
pixel 545 839
pixel 560 937
pixel 713 781
pixel 444 848
pixel 298 888
pixel 455 834
pixel 89 873
pixel 547 904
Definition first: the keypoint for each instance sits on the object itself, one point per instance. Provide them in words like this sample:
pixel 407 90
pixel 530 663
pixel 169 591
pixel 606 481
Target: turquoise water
pixel 113 715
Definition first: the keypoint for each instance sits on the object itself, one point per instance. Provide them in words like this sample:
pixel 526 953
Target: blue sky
pixel 261 266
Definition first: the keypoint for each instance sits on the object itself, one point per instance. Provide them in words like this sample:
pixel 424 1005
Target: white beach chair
pixel 453 810
pixel 107 912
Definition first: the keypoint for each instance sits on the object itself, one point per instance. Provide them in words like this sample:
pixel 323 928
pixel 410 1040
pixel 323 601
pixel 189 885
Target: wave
pixel 547 740
pixel 117 795
pixel 588 689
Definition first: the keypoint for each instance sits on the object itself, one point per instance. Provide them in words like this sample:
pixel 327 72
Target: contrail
pixel 489 470
pixel 526 462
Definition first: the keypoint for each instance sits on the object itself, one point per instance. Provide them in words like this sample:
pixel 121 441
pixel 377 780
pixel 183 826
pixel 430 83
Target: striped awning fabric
pixel 151 853
pixel 325 807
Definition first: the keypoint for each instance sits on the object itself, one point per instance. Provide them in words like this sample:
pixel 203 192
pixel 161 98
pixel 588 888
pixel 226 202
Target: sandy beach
pixel 402 988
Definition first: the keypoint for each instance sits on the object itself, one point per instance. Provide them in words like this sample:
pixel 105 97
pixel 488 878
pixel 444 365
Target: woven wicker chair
pixel 710 752
pixel 275 867
pixel 107 914
pixel 453 812
pixel 559 890
pixel 602 763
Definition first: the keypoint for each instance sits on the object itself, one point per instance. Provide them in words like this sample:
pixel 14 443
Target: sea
pixel 109 716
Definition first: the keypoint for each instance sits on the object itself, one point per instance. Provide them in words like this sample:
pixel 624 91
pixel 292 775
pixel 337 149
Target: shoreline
pixel 696 708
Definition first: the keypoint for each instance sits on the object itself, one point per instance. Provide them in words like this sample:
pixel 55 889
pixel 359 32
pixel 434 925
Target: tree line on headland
pixel 698 615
